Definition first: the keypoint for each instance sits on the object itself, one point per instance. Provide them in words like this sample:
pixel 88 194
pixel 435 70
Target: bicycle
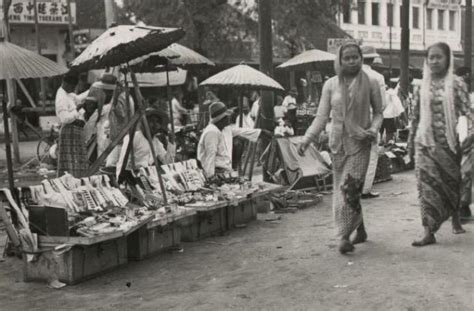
pixel 46 143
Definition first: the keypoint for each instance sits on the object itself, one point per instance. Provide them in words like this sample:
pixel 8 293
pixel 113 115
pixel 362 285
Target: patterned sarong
pixel 347 219
pixel 72 152
pixel 439 179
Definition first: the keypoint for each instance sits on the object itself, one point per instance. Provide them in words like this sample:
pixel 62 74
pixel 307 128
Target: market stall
pixel 244 78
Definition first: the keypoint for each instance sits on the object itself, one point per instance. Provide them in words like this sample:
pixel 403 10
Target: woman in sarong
pixel 348 98
pixel 441 110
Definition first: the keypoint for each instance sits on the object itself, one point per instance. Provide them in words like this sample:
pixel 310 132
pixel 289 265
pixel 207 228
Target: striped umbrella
pixel 19 63
pixel 243 77
pixel 121 44
pixel 308 59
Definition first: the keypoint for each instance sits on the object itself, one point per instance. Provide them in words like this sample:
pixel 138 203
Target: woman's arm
pixel 414 122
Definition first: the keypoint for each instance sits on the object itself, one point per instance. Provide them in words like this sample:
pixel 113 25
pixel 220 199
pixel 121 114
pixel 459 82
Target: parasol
pixel 244 77
pixel 307 59
pixel 121 44
pixel 19 63
pixel 187 57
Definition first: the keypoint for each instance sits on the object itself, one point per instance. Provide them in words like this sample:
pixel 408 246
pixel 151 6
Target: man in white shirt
pixel 215 146
pixel 141 154
pixel 179 111
pixel 255 106
pixel 370 54
pixel 393 109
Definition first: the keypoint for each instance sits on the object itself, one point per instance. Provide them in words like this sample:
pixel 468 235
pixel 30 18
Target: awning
pixel 154 79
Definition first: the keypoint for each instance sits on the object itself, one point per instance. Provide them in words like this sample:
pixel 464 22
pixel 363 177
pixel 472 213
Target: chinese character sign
pixel 49 12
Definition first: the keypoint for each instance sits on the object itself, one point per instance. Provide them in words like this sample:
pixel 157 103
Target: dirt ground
pixel 288 265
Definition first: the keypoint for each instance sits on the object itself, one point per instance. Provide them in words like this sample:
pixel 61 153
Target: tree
pixel 220 28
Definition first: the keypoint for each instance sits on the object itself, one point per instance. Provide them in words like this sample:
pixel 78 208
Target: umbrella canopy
pixel 19 63
pixel 124 43
pixel 176 54
pixel 308 58
pixel 243 76
pixel 188 57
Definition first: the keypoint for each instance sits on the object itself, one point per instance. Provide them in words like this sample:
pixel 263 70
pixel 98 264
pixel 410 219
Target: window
pixel 416 17
pixel 375 14
pixel 346 12
pixel 361 12
pixel 429 18
pixel 390 14
pixel 452 20
pixel 441 19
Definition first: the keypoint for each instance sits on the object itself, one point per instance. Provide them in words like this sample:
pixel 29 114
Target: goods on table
pixel 93 206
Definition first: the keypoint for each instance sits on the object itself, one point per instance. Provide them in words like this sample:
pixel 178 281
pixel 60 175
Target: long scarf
pixel 425 131
pixel 353 94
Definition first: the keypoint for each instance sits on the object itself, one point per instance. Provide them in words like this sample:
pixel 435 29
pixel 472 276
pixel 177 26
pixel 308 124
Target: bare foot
pixel 346 247
pixel 458 230
pixel 361 237
pixel 427 240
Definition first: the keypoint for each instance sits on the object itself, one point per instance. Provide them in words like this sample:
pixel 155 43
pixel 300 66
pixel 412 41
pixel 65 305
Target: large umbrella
pixel 243 77
pixel 187 57
pixel 308 59
pixel 19 63
pixel 121 44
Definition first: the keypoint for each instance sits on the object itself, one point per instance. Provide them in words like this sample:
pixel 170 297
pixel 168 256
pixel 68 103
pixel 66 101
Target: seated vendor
pixel 141 154
pixel 215 146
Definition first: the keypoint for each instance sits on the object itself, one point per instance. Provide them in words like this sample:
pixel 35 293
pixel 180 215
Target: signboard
pixel 335 43
pixel 53 12
pixel 444 4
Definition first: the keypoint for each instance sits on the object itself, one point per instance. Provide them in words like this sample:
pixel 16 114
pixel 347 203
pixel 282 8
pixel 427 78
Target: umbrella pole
pixel 8 150
pixel 148 134
pixel 170 105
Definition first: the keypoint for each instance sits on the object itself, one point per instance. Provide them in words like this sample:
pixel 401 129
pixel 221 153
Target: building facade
pixel 377 23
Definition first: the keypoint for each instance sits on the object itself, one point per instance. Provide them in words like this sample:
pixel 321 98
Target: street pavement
pixel 291 264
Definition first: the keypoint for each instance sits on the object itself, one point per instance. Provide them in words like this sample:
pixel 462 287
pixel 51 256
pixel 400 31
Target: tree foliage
pixel 219 28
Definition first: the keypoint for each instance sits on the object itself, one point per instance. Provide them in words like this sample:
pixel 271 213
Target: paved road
pixel 291 265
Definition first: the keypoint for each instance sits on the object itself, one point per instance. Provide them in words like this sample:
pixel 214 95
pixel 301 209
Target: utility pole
pixel 405 48
pixel 38 46
pixel 266 60
pixel 71 35
pixel 468 39
pixel 266 115
pixel 110 13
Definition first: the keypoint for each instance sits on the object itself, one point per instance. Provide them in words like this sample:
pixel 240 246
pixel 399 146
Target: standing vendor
pixel 215 146
pixel 141 153
pixel 72 153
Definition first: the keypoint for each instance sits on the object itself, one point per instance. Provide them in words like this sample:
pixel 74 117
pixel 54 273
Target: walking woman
pixel 441 107
pixel 349 97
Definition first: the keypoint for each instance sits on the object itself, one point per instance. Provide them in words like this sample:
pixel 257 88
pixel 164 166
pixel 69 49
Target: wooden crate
pixel 204 224
pixel 81 262
pixel 152 240
pixel 242 213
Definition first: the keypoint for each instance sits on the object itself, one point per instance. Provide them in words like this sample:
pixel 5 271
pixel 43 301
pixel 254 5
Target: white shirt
pixel 289 101
pixel 178 111
pixel 66 104
pixel 255 109
pixel 247 121
pixel 279 111
pixel 394 105
pixel 143 156
pixel 380 80
pixel 215 146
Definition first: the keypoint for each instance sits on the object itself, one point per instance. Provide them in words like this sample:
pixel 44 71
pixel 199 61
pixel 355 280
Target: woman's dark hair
pixel 348 45
pixel 446 50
